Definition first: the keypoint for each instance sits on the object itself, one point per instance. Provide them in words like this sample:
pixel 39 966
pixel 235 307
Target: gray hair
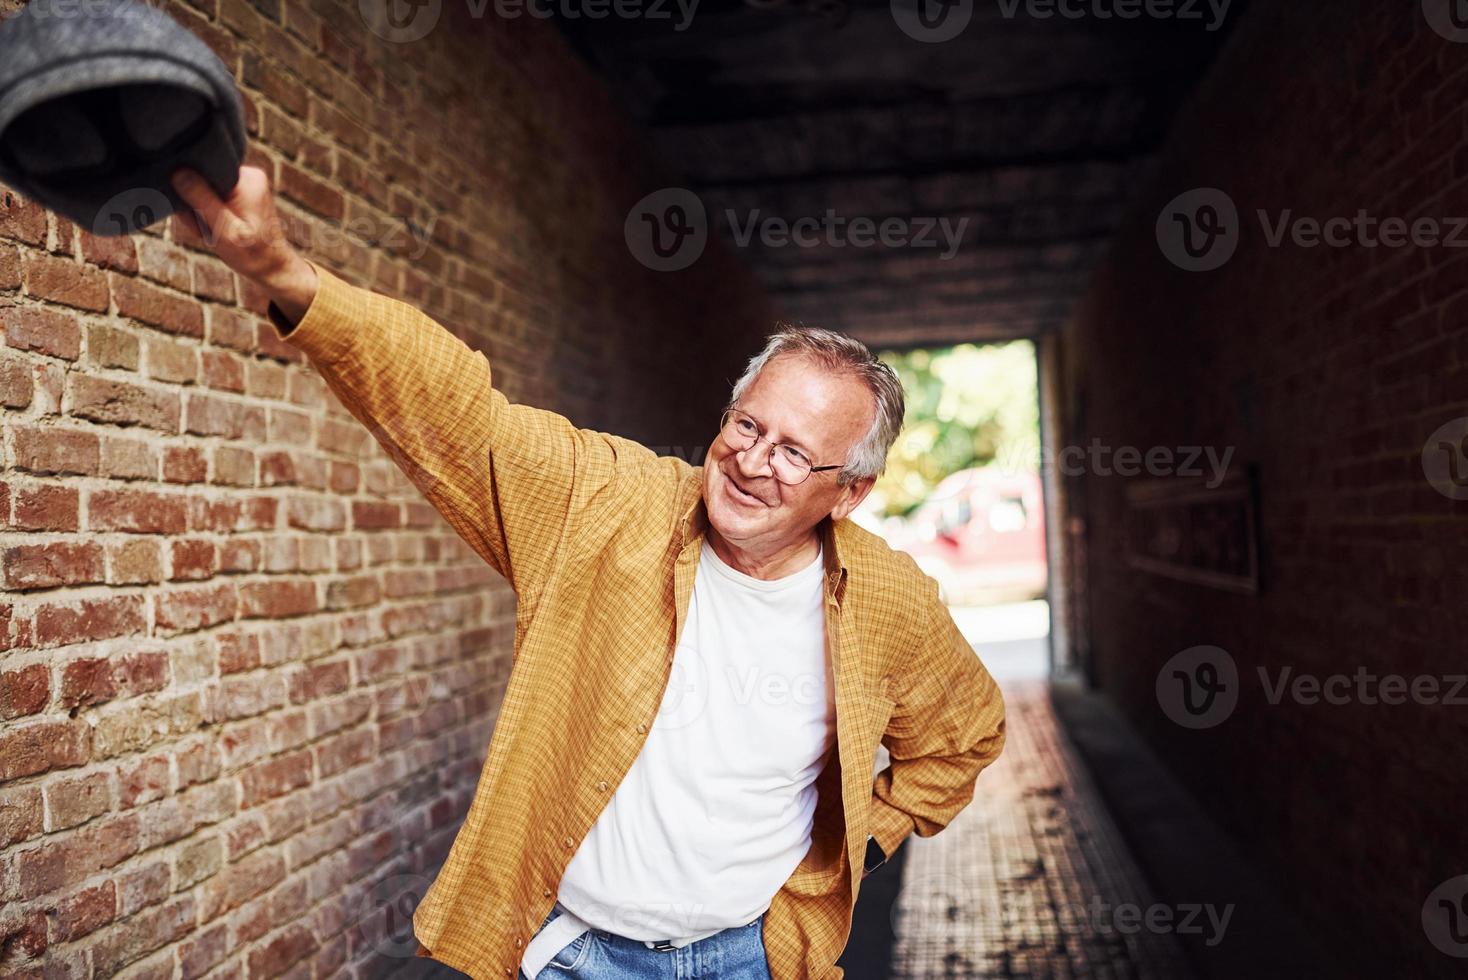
pixel 838 352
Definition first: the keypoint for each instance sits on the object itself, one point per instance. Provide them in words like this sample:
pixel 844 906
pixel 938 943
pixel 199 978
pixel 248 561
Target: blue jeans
pixel 733 954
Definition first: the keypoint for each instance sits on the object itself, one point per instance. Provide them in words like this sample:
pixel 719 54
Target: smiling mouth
pixel 742 496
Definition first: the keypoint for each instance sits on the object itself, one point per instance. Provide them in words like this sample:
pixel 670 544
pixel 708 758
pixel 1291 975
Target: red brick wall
pixel 1328 369
pixel 245 672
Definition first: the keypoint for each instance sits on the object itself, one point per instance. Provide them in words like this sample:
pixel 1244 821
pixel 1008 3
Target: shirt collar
pixel 693 524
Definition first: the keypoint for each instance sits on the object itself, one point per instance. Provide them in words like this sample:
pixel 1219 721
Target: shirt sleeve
pixel 947 725
pixel 508 478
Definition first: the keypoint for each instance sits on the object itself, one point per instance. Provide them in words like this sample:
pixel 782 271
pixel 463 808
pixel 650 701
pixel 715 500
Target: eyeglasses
pixel 791 466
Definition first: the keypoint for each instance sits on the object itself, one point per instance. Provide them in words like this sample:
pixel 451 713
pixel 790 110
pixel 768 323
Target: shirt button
pixel 519 942
pixel 507 971
pixel 569 842
pixel 602 786
pixel 641 729
pixel 545 892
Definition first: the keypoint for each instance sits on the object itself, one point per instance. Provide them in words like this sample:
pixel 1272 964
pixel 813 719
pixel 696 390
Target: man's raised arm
pixel 508 478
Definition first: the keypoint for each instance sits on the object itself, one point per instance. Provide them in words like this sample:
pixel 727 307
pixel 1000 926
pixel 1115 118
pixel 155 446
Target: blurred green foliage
pixel 967 406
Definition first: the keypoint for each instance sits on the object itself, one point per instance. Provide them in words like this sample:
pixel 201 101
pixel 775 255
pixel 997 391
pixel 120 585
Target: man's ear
pixel 852 495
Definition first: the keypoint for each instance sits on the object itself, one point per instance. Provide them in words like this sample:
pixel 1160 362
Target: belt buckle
pixel 664 946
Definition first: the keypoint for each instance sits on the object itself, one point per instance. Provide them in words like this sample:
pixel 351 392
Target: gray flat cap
pixel 100 100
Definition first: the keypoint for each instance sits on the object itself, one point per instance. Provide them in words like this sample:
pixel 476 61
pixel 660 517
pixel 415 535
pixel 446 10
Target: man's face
pixel 797 402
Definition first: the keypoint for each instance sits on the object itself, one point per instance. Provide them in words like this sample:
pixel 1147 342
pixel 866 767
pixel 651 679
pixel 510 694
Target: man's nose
pixel 757 460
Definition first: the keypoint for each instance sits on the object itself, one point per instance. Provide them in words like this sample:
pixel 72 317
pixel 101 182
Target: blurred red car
pixel 981 534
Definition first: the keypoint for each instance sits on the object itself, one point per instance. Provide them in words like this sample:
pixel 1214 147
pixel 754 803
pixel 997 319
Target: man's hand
pixel 245 231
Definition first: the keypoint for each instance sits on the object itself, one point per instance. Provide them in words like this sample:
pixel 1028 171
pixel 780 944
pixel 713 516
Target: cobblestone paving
pixel 1028 880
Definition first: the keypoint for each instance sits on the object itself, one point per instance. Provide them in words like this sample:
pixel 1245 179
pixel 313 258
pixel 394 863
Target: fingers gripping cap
pixel 100 100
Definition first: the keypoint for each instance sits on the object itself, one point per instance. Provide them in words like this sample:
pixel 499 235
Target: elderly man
pixel 706 658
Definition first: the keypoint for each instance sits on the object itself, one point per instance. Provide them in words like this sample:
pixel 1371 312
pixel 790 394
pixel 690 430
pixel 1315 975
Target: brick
pixel 138 888
pixel 199 953
pixel 108 346
pixel 207 415
pixel 192 559
pixel 128 459
pixel 164 262
pixel 312 194
pixel 65 281
pixel 197 859
pixel 234 466
pixel 149 304
pixel 152 929
pixel 46 508
pixel 51 332
pixel 139 511
pixel 237 555
pixel 213 280
pixel 9 267
pixel 88 619
pixel 20 219
pixel 166 359
pixel 290 945
pixel 268 380
pixel 121 403
pixel 46 566
pixel 278 599
pixel 274 777
pixel 238 652
pixel 16 387
pixel 232 328
pixel 110 251
pixel 184 464
pixel 191 609
pixel 315 513
pixel 87 681
pixel 76 855
pixel 143 781
pixel 48 449
pixel 23 936
pixel 136 562
pixel 277 469
pixel 86 911
pixel 24 691
pixel 42 746
pixel 21 814
pixel 373 515
pixel 140 672
pixel 224 371
pixel 198 763
pixel 70 802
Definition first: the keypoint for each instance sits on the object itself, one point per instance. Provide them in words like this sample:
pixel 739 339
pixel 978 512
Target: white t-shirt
pixel 717 809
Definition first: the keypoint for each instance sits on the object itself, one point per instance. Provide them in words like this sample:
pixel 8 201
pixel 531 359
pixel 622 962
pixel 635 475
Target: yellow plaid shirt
pixel 600 539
